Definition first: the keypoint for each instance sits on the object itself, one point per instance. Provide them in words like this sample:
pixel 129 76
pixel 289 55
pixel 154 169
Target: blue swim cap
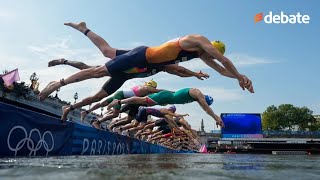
pixel 209 99
pixel 172 108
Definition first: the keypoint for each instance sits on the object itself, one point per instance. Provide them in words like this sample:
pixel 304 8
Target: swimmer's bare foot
pixel 96 124
pixel 65 112
pixel 136 136
pixel 83 115
pixel 117 130
pixel 57 62
pixel 52 86
pixel 82 27
pixel 126 133
pixel 110 127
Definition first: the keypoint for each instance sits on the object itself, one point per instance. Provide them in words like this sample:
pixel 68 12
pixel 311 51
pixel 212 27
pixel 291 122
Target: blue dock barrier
pixel 27 133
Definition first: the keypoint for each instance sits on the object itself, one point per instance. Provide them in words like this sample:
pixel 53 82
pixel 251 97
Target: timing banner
pixel 27 133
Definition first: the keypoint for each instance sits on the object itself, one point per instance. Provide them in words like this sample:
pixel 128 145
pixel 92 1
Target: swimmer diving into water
pixel 143 58
pixel 182 96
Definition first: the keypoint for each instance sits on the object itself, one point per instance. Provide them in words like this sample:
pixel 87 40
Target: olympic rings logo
pixel 31 145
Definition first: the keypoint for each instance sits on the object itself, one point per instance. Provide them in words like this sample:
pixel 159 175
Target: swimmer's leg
pixel 75 64
pixel 89 100
pixel 79 76
pixel 104 47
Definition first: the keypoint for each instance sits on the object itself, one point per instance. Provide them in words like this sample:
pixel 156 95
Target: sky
pixel 280 59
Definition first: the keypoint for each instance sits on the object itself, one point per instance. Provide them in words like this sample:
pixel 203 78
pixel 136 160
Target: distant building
pixel 208 138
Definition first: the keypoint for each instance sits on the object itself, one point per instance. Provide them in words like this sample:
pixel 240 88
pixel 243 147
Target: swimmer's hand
pixel 181 115
pixel 201 75
pixel 113 103
pixel 177 131
pixel 219 122
pixel 246 83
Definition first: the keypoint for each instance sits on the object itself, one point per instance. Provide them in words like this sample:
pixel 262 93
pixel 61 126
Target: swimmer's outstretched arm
pixel 188 133
pixel 134 100
pixel 223 71
pixel 144 130
pixel 197 94
pixel 131 100
pixel 195 134
pixel 149 132
pixel 206 45
pixel 172 124
pixel 96 106
pixel 149 126
pixel 167 112
pixel 203 104
pixel 184 72
pixel 214 65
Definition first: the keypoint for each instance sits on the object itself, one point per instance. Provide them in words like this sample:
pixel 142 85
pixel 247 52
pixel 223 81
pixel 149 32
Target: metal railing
pixel 292 134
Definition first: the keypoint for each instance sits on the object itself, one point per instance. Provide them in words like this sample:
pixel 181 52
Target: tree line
pixel 290 118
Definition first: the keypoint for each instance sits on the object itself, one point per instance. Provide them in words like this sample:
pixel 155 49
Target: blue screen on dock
pixel 240 125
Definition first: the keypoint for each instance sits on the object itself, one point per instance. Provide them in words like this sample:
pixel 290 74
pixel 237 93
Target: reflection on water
pixel 163 166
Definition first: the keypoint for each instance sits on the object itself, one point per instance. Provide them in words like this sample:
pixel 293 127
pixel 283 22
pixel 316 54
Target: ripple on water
pixel 163 166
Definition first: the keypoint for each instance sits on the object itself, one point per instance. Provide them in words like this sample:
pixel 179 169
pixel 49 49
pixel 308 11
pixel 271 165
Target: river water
pixel 163 166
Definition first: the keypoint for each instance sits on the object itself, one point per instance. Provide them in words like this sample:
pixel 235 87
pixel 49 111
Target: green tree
pixel 289 117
